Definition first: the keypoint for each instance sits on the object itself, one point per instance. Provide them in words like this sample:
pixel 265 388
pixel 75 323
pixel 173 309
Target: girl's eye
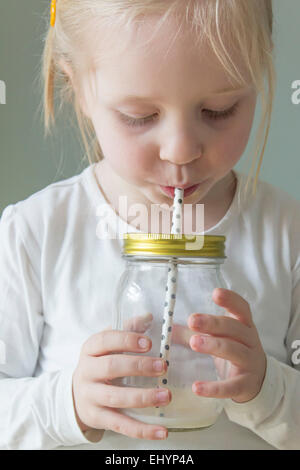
pixel 213 115
pixel 137 122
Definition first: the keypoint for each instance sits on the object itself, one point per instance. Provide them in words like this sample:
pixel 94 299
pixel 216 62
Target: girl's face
pixel 167 114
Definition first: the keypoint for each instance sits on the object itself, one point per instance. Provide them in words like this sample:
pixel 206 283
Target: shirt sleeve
pixel 35 412
pixel 274 414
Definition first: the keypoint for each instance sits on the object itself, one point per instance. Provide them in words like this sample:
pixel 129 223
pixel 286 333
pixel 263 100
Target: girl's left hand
pixel 235 338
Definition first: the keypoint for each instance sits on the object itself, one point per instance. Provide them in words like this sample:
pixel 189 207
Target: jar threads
pixel 173 245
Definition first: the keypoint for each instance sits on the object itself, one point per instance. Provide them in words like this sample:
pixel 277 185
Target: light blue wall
pixel 281 163
pixel 30 162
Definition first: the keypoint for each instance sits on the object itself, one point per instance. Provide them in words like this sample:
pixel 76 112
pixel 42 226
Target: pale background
pixel 29 162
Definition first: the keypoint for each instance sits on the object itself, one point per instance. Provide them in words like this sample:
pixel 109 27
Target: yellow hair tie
pixel 53 12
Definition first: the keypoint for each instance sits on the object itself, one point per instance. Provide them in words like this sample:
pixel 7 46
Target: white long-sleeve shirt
pixel 57 281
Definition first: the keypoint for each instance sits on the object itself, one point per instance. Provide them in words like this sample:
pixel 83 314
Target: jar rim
pixel 174 245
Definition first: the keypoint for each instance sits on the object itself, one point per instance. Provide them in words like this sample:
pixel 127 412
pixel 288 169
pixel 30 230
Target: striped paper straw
pixel 170 292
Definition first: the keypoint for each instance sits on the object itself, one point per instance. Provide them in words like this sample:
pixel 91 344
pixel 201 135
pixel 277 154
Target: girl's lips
pixel 169 190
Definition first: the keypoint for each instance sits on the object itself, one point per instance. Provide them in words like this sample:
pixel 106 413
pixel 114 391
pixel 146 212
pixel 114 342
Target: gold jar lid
pixel 160 244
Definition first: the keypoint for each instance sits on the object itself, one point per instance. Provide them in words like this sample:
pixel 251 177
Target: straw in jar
pixel 170 297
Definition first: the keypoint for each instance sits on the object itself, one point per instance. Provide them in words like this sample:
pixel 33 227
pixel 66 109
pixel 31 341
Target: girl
pixel 167 92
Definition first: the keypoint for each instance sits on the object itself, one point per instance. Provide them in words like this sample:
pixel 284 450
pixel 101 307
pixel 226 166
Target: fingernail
pixel 160 434
pixel 158 366
pixel 197 341
pixel 197 322
pixel 198 388
pixel 143 343
pixel 163 395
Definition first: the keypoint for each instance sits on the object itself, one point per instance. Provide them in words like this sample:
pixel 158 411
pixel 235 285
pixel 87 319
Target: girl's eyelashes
pixel 210 114
pixel 135 122
pixel 226 113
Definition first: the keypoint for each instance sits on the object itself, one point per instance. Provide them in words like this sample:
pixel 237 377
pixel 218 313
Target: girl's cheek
pixel 234 142
pixel 129 162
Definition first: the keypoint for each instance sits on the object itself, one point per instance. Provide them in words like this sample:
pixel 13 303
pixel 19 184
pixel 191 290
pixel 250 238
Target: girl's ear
pixel 69 73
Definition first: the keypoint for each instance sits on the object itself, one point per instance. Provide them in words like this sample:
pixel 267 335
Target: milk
pixel 185 410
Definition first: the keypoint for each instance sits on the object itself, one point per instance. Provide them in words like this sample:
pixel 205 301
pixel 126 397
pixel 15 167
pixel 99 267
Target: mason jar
pixel 141 305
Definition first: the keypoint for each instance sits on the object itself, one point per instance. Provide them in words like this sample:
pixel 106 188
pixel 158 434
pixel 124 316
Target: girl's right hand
pixel 97 402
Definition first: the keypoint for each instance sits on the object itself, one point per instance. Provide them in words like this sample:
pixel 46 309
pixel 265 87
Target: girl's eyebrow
pixel 135 98
pixel 229 91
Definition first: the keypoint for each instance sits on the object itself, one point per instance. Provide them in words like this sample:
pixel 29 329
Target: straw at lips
pixel 170 290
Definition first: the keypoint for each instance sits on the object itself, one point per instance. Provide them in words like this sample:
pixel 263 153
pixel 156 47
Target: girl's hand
pixel 234 338
pixel 97 402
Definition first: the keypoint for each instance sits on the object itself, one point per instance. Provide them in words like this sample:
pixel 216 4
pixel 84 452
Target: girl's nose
pixel 181 147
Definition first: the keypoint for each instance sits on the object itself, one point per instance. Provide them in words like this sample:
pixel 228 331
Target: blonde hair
pixel 246 24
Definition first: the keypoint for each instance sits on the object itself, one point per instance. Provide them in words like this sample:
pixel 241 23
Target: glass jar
pixel 141 306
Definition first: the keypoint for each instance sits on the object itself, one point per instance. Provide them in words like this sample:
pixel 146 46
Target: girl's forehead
pixel 149 41
pixel 145 55
pixel 145 37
